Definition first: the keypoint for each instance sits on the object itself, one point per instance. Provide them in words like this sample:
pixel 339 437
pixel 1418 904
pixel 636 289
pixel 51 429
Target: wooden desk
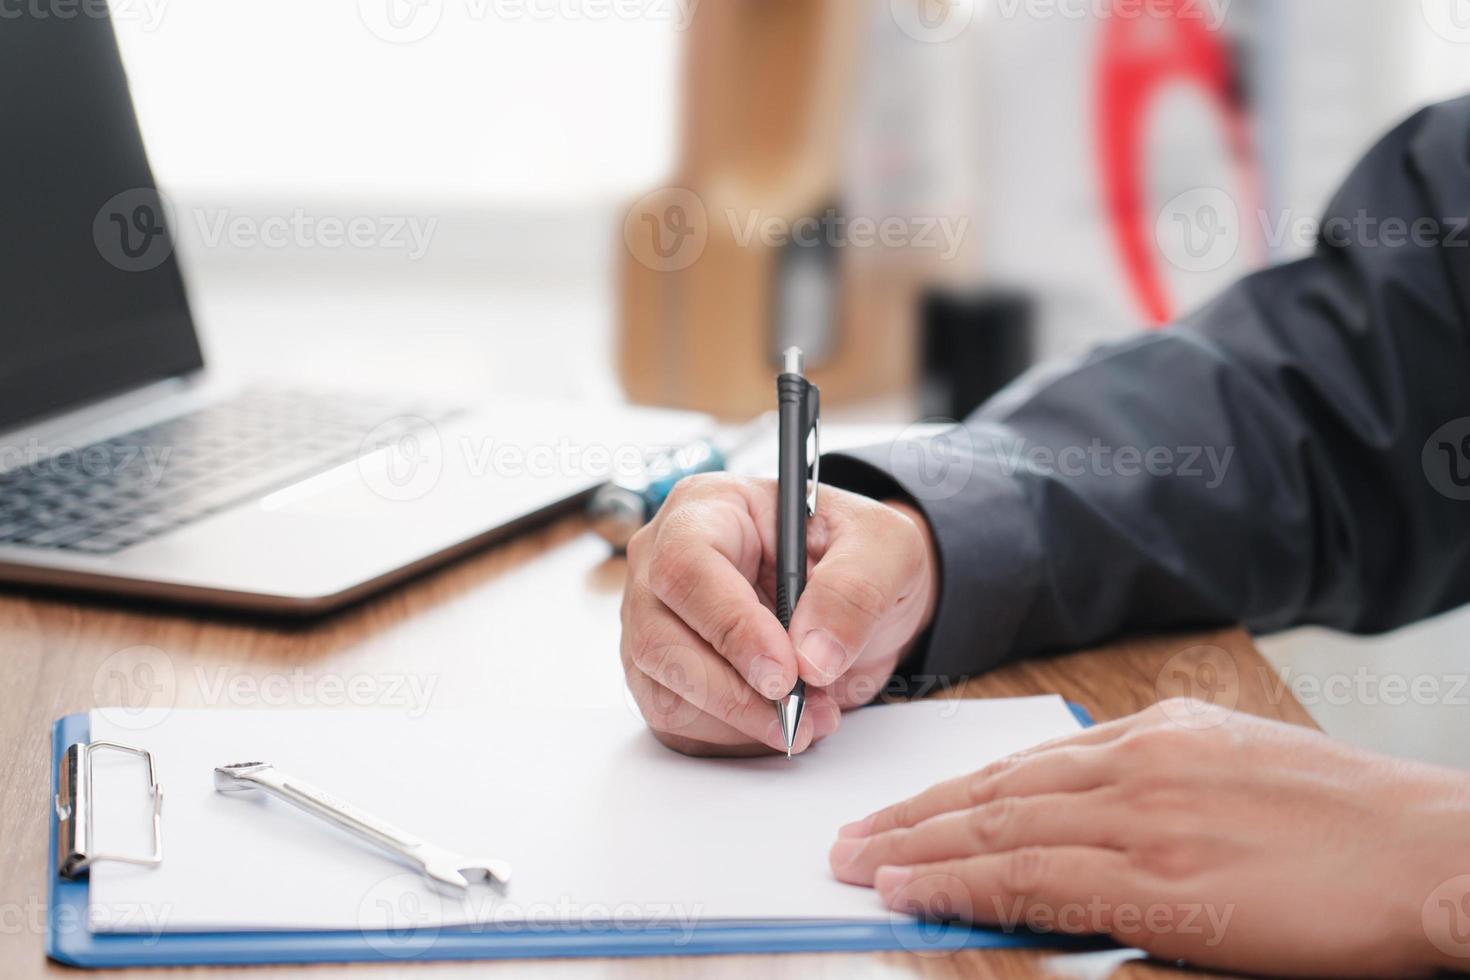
pixel 464 628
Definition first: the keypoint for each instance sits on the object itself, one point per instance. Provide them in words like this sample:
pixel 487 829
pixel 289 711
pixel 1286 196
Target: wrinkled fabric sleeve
pixel 1298 451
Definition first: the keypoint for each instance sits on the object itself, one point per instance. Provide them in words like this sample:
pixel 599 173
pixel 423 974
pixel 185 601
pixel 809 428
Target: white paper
pixel 599 821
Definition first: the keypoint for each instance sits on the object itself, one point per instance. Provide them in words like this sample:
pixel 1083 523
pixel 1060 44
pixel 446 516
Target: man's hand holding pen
pixel 703 650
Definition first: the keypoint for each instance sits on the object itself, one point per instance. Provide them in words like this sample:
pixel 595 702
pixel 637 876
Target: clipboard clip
pixel 74 804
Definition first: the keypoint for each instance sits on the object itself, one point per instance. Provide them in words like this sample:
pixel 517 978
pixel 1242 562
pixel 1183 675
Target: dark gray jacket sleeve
pixel 1296 452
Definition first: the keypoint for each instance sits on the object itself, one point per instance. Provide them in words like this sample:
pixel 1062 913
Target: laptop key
pixel 101 544
pixel 59 537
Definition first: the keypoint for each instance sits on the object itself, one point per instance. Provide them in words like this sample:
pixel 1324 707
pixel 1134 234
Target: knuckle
pixel 670 571
pixel 700 486
pixel 1025 871
pixel 1152 748
pixel 1198 714
pixel 658 707
pixel 685 490
pixel 728 706
pixel 904 814
pixel 706 482
pixel 730 630
pixel 990 825
pixel 980 787
pixel 654 653
pixel 898 846
pixel 638 544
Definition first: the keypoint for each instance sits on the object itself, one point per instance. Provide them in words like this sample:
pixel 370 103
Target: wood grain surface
pixel 543 605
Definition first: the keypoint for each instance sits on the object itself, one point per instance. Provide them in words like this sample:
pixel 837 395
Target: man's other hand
pixel 1195 834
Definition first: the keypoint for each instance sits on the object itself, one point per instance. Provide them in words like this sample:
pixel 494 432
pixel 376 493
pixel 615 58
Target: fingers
pixel 700 734
pixel 703 560
pixel 681 726
pixel 1064 768
pixel 1012 888
pixel 872 565
pixel 1004 824
pixel 663 648
pixel 691 696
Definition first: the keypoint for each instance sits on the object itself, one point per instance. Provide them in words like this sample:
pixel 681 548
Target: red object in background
pixel 1142 52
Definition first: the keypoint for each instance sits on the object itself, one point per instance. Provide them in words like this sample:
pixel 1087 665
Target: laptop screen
pixel 91 302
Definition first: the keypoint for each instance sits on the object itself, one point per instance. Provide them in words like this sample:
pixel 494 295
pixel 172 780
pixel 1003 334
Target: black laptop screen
pixel 90 297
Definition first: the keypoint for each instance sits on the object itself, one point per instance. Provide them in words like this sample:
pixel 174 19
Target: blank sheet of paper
pixel 598 820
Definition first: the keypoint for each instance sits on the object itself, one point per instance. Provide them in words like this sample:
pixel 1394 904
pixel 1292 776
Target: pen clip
pixel 811 497
pixel 812 418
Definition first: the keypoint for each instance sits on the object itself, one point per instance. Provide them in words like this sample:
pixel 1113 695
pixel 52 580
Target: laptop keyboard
pixel 110 495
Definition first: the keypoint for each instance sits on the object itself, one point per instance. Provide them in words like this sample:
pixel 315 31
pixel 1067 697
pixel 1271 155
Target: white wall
pixel 525 101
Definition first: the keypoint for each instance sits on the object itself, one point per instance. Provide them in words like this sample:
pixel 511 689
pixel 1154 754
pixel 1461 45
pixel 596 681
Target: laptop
pixel 127 468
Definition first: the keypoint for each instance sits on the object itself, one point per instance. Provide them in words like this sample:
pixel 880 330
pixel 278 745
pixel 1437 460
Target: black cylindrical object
pixel 973 345
pixel 791 392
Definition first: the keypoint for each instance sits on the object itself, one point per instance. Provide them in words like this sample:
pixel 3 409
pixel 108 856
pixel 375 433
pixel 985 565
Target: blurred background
pixel 652 197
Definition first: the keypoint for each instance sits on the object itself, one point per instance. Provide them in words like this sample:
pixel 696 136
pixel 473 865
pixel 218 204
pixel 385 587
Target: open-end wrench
pixel 451 871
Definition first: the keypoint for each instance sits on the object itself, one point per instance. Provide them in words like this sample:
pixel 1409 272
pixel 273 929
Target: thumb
pixel 852 592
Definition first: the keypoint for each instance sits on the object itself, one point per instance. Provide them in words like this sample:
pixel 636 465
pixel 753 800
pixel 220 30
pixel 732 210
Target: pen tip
pixel 789 711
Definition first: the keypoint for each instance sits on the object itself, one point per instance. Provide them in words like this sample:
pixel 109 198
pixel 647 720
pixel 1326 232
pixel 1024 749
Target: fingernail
pixel 890 880
pixel 844 852
pixel 768 677
pixel 858 828
pixel 823 653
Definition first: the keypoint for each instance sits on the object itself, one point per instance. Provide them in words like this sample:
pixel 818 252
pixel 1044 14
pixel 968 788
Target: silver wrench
pixel 451 871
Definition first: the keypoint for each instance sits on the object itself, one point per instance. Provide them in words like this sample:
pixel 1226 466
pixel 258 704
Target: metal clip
pixel 812 418
pixel 74 810
pixel 811 497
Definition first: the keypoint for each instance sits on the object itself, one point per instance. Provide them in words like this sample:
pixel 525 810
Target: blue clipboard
pixel 69 941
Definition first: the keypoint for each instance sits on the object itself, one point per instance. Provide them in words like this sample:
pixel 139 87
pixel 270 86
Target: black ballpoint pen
pixel 799 411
